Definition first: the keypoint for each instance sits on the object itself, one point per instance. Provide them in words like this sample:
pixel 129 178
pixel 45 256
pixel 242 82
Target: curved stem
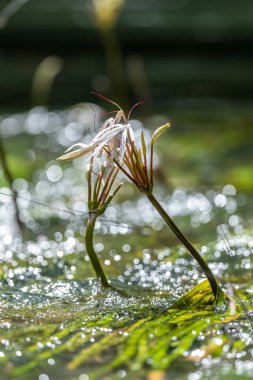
pixel 9 178
pixel 91 252
pixel 213 283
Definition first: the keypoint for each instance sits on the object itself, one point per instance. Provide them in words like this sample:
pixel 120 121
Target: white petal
pixel 77 145
pixel 104 127
pixel 119 116
pixel 122 145
pixel 76 153
pixel 108 134
pixel 109 121
pixel 131 133
pixel 98 148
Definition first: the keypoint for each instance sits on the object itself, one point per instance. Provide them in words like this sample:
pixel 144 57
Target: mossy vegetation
pixel 102 333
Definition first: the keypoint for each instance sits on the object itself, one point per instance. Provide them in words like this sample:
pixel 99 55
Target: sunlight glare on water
pixel 47 279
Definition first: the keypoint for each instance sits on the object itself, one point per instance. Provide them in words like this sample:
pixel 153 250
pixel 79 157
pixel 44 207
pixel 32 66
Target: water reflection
pixel 51 193
pixel 49 277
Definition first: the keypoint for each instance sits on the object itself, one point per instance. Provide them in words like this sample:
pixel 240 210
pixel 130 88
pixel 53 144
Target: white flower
pixel 111 138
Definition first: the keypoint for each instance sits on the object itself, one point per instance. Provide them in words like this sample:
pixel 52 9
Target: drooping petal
pixel 80 145
pixel 76 153
pixel 109 132
pixel 107 124
pixel 98 148
pixel 109 137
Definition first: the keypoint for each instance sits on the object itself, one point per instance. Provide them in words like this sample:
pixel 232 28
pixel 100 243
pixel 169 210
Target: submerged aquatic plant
pixel 118 142
pixel 140 171
pixel 137 337
pixel 108 145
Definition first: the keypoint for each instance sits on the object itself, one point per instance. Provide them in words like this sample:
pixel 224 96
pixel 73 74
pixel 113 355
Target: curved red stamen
pixel 105 98
pixel 134 106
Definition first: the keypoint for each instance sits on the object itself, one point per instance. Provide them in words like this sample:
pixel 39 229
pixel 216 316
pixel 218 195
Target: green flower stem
pixel 213 283
pixel 91 252
pixel 9 178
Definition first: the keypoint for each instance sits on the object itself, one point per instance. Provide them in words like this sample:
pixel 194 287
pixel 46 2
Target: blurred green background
pixel 175 53
pixel 190 60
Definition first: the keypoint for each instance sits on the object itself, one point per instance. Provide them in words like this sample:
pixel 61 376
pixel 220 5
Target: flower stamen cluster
pixel 111 137
pixel 136 161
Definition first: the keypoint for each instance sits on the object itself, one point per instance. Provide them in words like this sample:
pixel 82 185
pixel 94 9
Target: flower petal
pixel 109 132
pixel 131 133
pixel 77 145
pixel 98 148
pixel 122 145
pixel 107 124
pixel 75 153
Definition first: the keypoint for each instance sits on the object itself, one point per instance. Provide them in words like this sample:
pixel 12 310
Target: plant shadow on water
pixel 58 323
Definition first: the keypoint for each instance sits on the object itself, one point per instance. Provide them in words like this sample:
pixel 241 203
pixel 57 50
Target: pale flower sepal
pixel 84 148
pixel 158 133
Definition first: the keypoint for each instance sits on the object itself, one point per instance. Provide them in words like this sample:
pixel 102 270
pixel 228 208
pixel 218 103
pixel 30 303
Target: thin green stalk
pixel 133 164
pixel 129 166
pixel 91 252
pixel 110 198
pixel 136 160
pixel 138 169
pixel 89 184
pixel 108 188
pixel 143 167
pixel 213 283
pixel 99 182
pixel 133 179
pixel 122 169
pixel 144 150
pixel 151 165
pixel 9 178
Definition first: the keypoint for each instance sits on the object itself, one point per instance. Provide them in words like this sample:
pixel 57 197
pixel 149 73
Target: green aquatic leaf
pixel 199 297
